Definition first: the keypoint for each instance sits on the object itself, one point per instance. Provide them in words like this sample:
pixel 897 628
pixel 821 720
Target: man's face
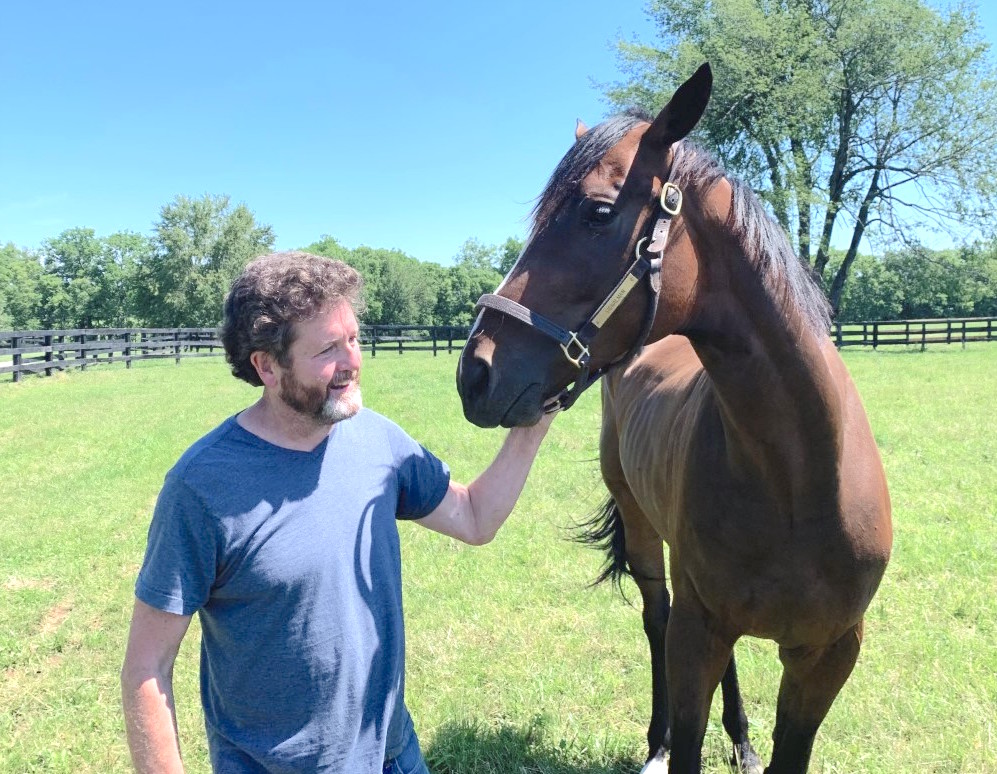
pixel 323 380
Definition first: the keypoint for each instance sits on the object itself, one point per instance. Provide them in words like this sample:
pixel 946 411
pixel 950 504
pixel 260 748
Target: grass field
pixel 513 664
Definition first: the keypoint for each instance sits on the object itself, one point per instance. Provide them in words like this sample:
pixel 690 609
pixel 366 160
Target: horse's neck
pixel 776 393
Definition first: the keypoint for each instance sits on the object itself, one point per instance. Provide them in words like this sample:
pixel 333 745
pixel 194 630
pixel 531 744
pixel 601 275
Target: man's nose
pixel 356 357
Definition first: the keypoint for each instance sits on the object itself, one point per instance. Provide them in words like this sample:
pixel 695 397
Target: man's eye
pixel 599 214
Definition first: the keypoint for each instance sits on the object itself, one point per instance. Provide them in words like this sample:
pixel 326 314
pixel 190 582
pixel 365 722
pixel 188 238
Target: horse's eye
pixel 599 214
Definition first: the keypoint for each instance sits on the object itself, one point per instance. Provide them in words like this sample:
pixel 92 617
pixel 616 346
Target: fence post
pixel 963 334
pixel 924 335
pixel 176 346
pixel 48 353
pixel 83 352
pixel 875 335
pixel 127 351
pixel 449 339
pixel 434 341
pixel 373 343
pixel 17 358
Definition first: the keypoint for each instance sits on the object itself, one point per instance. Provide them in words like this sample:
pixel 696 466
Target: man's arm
pixel 147 689
pixel 474 513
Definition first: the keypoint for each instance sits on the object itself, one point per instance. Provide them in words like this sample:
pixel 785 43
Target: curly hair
pixel 273 293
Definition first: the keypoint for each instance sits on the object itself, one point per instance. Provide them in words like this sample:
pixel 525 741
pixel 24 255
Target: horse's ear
pixel 580 129
pixel 684 109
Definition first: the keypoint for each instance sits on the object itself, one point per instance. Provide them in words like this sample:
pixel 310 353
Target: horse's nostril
pixel 474 377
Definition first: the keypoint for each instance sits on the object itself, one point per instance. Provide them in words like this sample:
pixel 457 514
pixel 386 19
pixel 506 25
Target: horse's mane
pixel 759 235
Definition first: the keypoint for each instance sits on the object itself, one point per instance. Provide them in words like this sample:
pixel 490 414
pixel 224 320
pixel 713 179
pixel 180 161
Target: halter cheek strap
pixel 575 344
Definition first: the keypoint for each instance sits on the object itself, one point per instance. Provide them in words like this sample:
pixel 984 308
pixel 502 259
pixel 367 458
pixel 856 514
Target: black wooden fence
pixel 45 351
pixel 35 352
pixel 914 332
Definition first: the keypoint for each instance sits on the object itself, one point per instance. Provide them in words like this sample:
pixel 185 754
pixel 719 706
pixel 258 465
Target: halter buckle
pixel 671 189
pixel 583 351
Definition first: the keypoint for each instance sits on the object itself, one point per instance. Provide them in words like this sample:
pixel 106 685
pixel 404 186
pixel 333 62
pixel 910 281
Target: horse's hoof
pixel 657 765
pixel 747 762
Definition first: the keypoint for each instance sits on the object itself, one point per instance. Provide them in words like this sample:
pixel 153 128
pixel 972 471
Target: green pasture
pixel 514 666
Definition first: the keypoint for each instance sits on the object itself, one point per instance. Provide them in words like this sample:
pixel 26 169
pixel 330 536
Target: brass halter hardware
pixel 583 351
pixel 670 189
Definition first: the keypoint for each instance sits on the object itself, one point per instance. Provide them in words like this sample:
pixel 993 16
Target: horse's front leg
pixel 697 656
pixel 811 679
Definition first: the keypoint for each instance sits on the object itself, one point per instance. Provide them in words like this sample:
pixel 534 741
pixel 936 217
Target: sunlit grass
pixel 514 665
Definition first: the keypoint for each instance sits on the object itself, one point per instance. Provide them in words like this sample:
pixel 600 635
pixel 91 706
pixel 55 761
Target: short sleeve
pixel 180 558
pixel 423 478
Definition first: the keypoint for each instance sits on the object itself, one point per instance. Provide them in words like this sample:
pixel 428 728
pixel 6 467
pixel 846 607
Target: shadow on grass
pixel 471 748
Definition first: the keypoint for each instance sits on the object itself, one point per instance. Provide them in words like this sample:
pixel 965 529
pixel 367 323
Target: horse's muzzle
pixel 488 401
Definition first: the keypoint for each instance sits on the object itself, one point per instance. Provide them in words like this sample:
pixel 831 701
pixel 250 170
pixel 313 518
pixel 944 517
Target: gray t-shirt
pixel 291 559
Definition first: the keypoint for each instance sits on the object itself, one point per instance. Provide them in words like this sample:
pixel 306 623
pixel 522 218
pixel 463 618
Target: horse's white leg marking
pixel 658 765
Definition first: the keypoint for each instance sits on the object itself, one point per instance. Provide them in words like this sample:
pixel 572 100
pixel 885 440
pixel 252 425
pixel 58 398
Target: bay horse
pixel 731 430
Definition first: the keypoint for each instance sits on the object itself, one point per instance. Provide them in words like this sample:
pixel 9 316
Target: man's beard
pixel 316 403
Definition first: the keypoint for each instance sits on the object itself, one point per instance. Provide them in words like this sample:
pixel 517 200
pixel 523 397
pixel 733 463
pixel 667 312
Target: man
pixel 278 528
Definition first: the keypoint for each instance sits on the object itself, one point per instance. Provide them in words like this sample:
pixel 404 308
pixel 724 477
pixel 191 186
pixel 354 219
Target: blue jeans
pixel 409 762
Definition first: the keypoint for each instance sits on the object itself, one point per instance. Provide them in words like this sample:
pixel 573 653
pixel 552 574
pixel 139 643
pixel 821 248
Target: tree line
pixel 178 276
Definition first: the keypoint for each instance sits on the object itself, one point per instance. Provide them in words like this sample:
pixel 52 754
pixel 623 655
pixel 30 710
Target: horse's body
pixel 765 550
pixel 736 437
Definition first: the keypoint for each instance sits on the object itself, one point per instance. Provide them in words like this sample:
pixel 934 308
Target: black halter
pixel 575 344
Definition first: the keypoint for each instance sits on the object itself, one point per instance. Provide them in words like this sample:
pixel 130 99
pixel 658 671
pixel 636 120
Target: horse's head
pixel 584 293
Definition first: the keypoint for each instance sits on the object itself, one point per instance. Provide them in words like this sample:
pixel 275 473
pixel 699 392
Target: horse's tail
pixel 604 530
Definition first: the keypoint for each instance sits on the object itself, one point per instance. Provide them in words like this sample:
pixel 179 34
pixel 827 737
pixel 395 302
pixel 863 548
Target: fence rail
pixel 35 352
pixel 45 351
pixel 914 332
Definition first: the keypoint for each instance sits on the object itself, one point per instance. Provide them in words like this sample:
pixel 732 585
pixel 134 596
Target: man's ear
pixel 580 129
pixel 264 364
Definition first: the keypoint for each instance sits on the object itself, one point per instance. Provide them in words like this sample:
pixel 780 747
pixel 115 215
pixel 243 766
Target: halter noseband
pixel 575 344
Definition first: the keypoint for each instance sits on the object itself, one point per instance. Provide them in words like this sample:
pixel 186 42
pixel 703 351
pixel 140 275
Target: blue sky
pixel 403 125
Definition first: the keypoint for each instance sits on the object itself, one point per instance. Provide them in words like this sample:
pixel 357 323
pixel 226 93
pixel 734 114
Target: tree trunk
pixel 838 285
pixel 778 188
pixel 804 185
pixel 836 184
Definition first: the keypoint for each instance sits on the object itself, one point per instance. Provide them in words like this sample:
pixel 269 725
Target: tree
pixel 20 294
pixel 94 278
pixel 869 115
pixel 916 283
pixel 508 254
pixel 199 247
pixel 73 260
pixel 875 292
pixel 474 254
pixel 459 290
